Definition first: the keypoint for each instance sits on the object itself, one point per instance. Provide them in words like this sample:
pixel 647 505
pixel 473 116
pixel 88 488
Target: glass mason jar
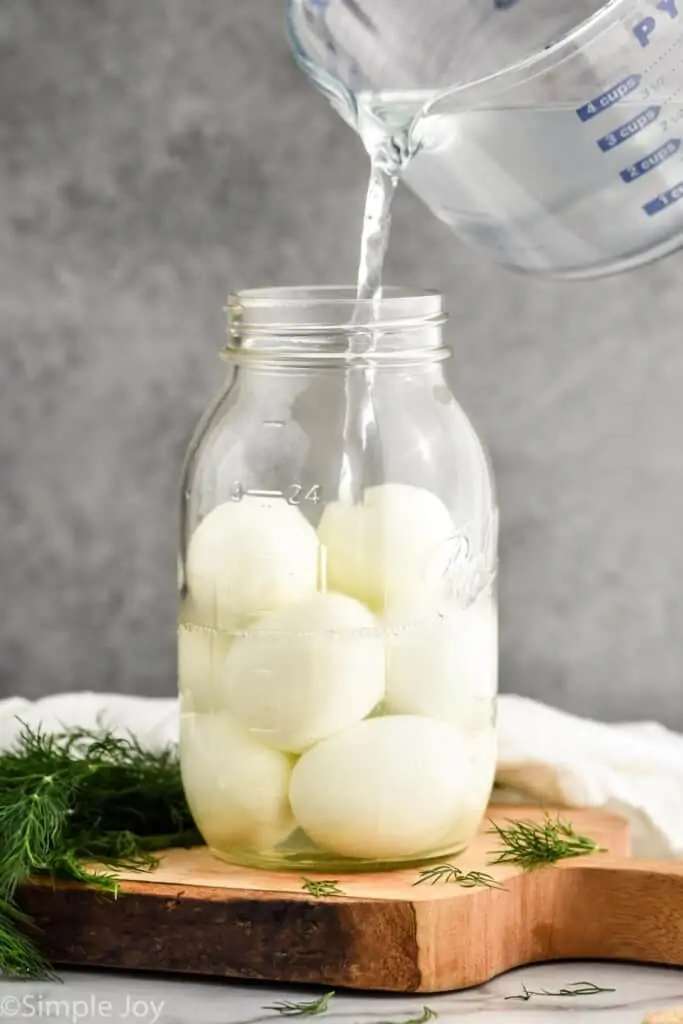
pixel 338 628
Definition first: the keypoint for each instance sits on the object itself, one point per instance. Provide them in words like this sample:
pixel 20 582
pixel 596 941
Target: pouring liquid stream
pixel 361 460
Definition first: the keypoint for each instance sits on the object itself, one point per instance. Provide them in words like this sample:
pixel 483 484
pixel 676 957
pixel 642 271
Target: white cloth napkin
pixel 545 756
pixel 634 769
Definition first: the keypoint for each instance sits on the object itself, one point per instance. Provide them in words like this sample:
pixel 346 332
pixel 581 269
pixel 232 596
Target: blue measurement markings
pixel 652 160
pixel 661 14
pixel 626 131
pixel 608 98
pixel 664 200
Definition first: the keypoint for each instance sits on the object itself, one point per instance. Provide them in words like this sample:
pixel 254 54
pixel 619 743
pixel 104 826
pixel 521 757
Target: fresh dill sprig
pixel 426 1015
pixel 577 988
pixel 19 957
pixel 74 797
pixel 530 844
pixel 449 873
pixel 306 1009
pixel 320 889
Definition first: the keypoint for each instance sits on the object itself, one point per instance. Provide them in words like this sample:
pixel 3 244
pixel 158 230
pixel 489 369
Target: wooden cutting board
pixel 196 914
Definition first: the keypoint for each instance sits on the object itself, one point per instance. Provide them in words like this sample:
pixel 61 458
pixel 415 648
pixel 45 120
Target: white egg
pixel 250 556
pixel 482 770
pixel 386 788
pixel 201 663
pixel 444 666
pixel 236 788
pixel 379 551
pixel 305 672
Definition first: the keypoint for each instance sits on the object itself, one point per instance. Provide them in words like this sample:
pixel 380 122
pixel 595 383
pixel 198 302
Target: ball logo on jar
pixel 463 566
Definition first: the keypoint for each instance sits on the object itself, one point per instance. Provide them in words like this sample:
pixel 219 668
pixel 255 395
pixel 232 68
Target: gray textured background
pixel 154 153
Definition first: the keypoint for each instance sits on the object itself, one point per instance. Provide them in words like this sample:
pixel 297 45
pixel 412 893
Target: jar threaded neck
pixel 322 322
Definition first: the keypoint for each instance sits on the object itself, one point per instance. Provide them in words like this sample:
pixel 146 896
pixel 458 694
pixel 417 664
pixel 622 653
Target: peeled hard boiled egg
pixel 201 661
pixel 482 770
pixel 385 788
pixel 305 672
pixel 250 556
pixel 443 666
pixel 236 788
pixel 378 551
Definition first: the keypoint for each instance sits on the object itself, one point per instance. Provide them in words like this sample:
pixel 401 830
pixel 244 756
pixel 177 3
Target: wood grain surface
pixel 196 914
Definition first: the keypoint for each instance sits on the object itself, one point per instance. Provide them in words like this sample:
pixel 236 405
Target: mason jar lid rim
pixel 331 311
pixel 428 300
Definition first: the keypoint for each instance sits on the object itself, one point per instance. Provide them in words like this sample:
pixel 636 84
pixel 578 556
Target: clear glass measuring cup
pixel 545 133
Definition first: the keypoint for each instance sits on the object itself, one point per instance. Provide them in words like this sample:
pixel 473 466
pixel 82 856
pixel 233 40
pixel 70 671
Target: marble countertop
pixel 94 997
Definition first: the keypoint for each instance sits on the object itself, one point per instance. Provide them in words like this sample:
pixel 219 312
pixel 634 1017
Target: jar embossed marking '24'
pixel 338 628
